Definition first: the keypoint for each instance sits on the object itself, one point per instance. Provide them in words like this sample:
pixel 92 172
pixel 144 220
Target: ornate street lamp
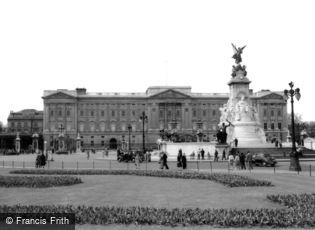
pixel 143 118
pixel 129 132
pixel 294 155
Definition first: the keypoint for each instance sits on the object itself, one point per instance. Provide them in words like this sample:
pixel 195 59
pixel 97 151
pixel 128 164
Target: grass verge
pixel 231 180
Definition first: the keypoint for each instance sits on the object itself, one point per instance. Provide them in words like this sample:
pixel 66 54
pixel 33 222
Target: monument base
pixel 249 134
pixel 222 148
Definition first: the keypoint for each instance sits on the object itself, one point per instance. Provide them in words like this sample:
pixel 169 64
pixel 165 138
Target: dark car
pixel 264 159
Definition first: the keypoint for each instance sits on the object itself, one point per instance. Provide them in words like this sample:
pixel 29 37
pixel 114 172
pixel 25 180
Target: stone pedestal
pixel 222 147
pixel 17 143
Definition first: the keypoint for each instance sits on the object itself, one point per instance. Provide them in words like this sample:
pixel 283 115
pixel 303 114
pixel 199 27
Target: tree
pixel 299 125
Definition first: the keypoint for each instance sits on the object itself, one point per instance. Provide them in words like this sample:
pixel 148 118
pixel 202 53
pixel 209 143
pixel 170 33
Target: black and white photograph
pixel 157 115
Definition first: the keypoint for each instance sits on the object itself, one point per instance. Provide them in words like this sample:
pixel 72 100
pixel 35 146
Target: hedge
pixel 38 181
pixel 299 214
pixel 231 180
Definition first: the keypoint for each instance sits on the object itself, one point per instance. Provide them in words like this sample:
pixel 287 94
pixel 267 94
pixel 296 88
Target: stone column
pixel 17 143
pixel 78 144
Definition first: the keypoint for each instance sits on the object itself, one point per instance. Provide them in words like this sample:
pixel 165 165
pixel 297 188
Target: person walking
pixel 184 161
pixel 242 161
pixel 231 160
pixel 249 160
pixel 202 154
pixel 216 155
pixel 179 159
pixel 137 161
pixel 237 161
pixel 235 142
pixel 164 161
pixel 223 155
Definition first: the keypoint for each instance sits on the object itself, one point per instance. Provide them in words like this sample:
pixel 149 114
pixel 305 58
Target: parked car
pixel 264 159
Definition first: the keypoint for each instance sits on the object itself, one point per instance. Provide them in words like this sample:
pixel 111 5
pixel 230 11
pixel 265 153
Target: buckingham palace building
pixel 104 119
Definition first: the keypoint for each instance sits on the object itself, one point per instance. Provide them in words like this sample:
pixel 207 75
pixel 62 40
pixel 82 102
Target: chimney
pixel 81 91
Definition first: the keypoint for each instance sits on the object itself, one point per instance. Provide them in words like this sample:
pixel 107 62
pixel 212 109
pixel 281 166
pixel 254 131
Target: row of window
pixel 25 124
pixel 272 126
pixel 273 112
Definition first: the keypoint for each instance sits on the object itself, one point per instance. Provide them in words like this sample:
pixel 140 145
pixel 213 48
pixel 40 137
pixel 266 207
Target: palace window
pixel 272 126
pixel 102 126
pixel 68 113
pixel 213 113
pixel 133 113
pixel 102 113
pixel 272 113
pixel 194 113
pixel 279 113
pixel 161 113
pixel 204 113
pixel 81 112
pixel 52 113
pixel 102 143
pixel 265 126
pixel 92 113
pixel 92 143
pixel 113 113
pixel 265 112
pixel 123 113
pixel 279 126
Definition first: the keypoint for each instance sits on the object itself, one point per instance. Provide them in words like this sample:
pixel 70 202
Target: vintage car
pixel 264 159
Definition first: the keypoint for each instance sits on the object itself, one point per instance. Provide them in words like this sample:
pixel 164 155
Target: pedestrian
pixel 208 155
pixel 106 152
pixel 242 161
pixel 235 142
pixel 184 161
pixel 249 160
pixel 137 161
pixel 231 160
pixel 216 155
pixel 164 161
pixel 202 154
pixel 223 155
pixel 179 159
pixel 237 161
pixel 88 154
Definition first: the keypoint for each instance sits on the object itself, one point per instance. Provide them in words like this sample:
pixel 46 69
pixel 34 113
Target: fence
pixel 197 165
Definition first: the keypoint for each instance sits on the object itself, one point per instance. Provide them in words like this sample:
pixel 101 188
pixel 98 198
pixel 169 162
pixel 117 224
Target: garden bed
pixel 231 180
pixel 300 213
pixel 38 181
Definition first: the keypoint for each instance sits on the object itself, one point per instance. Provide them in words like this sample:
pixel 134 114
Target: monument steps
pixel 275 152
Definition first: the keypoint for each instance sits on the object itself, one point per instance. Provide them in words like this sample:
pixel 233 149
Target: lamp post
pixel 143 118
pixel 129 132
pixel 294 156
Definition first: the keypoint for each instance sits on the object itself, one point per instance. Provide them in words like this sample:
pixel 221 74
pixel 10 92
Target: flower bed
pixel 299 214
pixel 231 180
pixel 38 181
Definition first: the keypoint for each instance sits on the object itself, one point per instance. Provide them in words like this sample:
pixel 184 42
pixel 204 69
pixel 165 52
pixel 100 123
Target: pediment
pixel 59 95
pixel 170 94
pixel 273 96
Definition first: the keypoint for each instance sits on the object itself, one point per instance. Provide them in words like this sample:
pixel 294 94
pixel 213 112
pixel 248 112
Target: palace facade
pixel 101 120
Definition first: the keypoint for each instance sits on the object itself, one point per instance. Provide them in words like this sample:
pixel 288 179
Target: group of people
pixel 181 160
pixel 241 161
pixel 200 155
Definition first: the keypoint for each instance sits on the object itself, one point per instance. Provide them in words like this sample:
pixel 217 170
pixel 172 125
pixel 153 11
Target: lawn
pixel 114 190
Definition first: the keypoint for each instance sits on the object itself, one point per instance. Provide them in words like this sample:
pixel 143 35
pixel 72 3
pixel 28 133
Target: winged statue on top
pixel 237 53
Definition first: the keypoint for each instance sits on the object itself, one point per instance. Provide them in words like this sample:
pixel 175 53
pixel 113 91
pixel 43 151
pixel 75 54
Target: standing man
pixel 164 161
pixel 249 160
pixel 235 142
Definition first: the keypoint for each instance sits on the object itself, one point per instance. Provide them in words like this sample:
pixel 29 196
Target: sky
pixel 129 45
